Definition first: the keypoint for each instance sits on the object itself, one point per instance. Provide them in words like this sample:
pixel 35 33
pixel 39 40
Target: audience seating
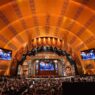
pixel 48 86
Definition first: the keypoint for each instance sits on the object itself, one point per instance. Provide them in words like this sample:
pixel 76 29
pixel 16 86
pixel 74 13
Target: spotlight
pixel 37 61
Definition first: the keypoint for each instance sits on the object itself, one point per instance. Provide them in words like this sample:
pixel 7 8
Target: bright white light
pixel 37 61
pixel 55 61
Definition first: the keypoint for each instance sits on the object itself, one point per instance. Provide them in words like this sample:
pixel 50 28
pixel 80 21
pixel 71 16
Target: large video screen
pixel 47 66
pixel 5 54
pixel 88 54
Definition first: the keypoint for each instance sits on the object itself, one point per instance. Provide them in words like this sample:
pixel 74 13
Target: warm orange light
pixel 54 41
pixel 34 42
pixel 39 41
pixel 49 41
pixel 58 43
pixel 44 41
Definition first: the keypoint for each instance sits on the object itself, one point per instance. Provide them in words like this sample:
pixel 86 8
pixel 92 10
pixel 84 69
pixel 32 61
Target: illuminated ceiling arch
pixel 71 20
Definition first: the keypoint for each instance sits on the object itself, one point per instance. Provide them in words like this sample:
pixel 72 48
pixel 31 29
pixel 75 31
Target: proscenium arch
pixel 38 26
pixel 63 38
pixel 25 18
pixel 78 4
pixel 22 60
pixel 53 27
pixel 66 13
pixel 53 16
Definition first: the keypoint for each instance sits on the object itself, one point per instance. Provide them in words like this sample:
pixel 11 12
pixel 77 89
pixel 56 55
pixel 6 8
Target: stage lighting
pixel 37 61
pixel 55 61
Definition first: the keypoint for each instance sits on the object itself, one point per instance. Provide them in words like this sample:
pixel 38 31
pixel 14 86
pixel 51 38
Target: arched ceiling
pixel 71 20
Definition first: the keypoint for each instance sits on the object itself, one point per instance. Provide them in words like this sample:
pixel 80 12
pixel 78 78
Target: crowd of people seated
pixel 79 79
pixel 13 86
pixel 38 86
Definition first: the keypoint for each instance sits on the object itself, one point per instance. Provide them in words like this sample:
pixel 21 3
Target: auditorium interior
pixel 47 47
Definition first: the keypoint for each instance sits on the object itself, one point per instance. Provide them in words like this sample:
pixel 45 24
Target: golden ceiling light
pixel 39 41
pixel 34 42
pixel 58 43
pixel 54 41
pixel 49 41
pixel 44 41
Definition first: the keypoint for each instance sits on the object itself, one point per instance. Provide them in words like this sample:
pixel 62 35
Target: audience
pixel 38 86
